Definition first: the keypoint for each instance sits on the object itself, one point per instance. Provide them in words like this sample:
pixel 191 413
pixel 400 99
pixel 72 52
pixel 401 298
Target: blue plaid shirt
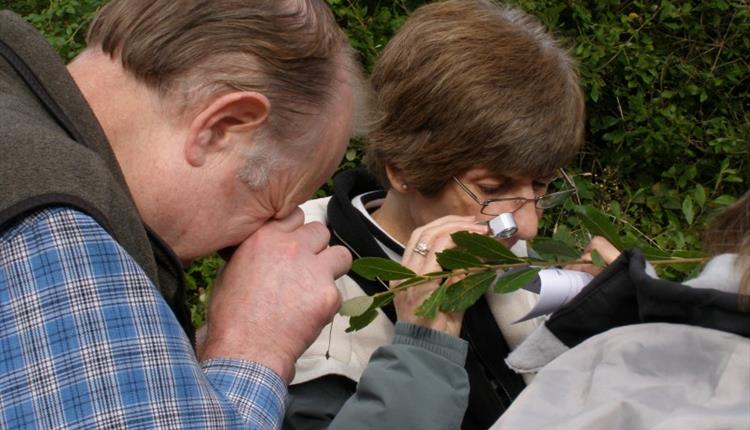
pixel 86 340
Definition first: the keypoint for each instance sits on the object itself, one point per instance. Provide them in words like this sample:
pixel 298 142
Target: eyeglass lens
pixel 496 207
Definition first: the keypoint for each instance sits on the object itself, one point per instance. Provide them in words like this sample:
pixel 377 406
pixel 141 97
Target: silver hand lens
pixel 503 226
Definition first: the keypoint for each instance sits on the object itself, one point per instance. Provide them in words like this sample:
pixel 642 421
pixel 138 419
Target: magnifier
pixel 503 226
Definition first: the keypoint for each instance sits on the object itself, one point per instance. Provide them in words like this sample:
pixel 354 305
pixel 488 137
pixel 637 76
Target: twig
pixel 487 267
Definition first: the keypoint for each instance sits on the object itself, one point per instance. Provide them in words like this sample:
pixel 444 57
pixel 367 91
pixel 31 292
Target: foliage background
pixel 668 105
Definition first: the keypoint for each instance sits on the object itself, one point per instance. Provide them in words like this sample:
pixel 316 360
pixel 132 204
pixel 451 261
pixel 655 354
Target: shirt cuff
pixel 450 347
pixel 257 391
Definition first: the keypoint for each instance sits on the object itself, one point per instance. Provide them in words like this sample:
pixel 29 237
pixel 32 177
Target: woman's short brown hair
pixel 467 83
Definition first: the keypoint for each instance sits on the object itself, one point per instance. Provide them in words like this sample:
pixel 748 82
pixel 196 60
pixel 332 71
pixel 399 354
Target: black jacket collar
pixel 350 228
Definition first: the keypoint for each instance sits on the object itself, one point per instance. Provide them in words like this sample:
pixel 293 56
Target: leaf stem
pixel 405 284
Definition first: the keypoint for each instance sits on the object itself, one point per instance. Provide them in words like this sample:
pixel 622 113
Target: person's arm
pixel 87 341
pixel 313 405
pixel 417 382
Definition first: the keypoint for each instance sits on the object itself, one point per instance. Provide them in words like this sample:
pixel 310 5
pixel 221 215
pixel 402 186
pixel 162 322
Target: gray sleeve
pixel 417 382
pixel 314 404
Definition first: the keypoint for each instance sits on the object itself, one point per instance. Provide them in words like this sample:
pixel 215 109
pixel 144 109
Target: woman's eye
pixel 490 190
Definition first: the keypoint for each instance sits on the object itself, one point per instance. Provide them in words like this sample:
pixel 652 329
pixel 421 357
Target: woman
pixel 477 108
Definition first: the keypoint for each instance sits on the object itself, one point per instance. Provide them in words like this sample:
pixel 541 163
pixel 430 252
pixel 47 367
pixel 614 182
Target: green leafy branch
pixel 480 263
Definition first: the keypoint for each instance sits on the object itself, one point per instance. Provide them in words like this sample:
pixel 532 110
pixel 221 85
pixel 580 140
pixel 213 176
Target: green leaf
pixel 615 208
pixel 356 306
pixel 373 268
pixel 652 253
pixel 555 250
pixel 453 259
pixel 688 254
pixel 686 267
pixel 597 259
pixel 599 224
pixel 362 321
pixel 484 247
pixel 511 281
pixel 687 209
pixel 429 307
pixel 462 294
pixel 700 195
pixel 724 200
pixel 415 280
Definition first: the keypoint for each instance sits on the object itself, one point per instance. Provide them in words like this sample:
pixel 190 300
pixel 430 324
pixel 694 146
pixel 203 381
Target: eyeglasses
pixel 495 207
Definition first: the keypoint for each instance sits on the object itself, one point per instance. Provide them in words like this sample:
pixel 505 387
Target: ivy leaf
pixel 462 294
pixel 599 224
pixel 362 321
pixel 597 259
pixel 511 281
pixel 356 306
pixel 484 247
pixel 452 259
pixel 373 268
pixel 555 250
pixel 429 307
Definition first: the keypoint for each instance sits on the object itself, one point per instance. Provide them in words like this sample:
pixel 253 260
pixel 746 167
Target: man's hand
pixel 271 300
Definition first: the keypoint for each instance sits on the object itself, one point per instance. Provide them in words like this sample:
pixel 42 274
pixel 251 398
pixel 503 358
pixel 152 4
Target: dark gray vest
pixel 53 152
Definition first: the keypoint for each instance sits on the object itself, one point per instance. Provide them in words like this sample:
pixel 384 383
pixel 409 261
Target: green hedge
pixel 668 105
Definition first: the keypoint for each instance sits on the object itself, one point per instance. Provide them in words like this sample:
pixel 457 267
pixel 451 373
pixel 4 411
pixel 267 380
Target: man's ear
pixel 396 179
pixel 238 112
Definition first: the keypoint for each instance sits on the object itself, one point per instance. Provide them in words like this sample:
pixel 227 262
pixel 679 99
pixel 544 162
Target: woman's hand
pixel 419 256
pixel 608 252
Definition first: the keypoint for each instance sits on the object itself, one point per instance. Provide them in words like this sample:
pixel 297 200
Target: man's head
pixel 216 91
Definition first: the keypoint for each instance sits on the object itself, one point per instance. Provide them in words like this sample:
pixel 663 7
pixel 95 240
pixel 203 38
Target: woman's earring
pixel 403 186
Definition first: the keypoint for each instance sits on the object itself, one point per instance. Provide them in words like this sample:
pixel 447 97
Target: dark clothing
pixel 623 294
pixel 56 154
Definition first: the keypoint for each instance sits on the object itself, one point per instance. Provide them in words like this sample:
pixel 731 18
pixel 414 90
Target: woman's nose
pixel 527 221
pixel 527 216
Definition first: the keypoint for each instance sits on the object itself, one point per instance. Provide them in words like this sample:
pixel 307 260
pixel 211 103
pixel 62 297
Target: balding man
pixel 184 128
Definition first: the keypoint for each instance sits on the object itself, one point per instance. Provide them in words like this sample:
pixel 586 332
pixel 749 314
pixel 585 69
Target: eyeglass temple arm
pixel 567 178
pixel 468 191
pixel 576 197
